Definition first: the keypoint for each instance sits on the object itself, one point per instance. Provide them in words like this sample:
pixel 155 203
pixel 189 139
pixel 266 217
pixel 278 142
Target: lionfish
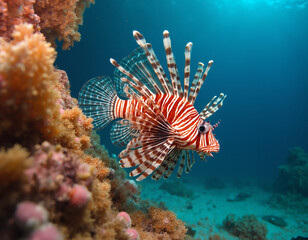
pixel 156 119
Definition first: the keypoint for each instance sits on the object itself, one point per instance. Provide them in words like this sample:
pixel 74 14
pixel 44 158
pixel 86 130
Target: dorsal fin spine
pixel 213 106
pixel 201 81
pixel 142 43
pixel 195 81
pixel 174 75
pixel 187 69
pixel 149 47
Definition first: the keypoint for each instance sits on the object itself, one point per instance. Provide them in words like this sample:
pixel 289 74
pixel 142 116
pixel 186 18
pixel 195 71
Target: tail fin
pixel 96 99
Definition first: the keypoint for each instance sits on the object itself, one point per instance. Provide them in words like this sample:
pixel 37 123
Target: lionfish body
pixel 157 123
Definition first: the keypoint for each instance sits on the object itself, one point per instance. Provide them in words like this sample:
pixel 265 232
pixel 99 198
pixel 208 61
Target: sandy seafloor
pixel 210 208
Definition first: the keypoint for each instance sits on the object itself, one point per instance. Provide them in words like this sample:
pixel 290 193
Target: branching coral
pixel 158 224
pixel 63 86
pixel 60 19
pixel 29 96
pixel 54 175
pixel 13 12
pixel 78 204
pixel 247 227
pixel 12 164
pixel 56 19
pixel 76 130
pixel 124 192
pixel 28 103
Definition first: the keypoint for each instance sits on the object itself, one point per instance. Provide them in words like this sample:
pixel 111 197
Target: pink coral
pixel 133 234
pixel 29 215
pixel 59 175
pixel 125 218
pixel 79 196
pixel 46 232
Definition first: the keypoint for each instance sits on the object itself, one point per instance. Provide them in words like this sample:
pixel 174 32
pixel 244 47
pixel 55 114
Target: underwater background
pixel 61 179
pixel 260 55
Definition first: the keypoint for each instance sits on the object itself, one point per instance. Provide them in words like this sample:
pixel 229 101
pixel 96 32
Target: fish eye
pixel 202 128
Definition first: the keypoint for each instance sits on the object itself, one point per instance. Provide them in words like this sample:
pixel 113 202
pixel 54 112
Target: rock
pixel 278 221
pixel 239 197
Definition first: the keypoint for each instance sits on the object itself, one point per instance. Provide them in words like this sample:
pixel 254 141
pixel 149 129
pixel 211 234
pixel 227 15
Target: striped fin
pixel 134 143
pixel 195 81
pixel 202 156
pixel 181 165
pixel 174 74
pixel 150 148
pixel 152 159
pixel 151 118
pixel 138 65
pixel 201 81
pixel 138 86
pixel 122 133
pixel 96 99
pixel 212 106
pixel 152 59
pixel 173 164
pixel 163 168
pixel 187 69
pixel 192 159
pixel 149 47
pixel 188 161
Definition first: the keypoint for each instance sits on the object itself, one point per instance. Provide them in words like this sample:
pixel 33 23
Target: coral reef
pixel 76 130
pixel 13 12
pixel 32 220
pixel 293 177
pixel 63 87
pixel 28 103
pixel 124 193
pixel 158 224
pixel 57 20
pixel 291 186
pixel 60 19
pixel 246 227
pixel 289 202
pixel 12 164
pixel 78 203
pixel 56 179
pixel 216 237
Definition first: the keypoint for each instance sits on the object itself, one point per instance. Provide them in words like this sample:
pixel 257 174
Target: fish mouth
pixel 208 150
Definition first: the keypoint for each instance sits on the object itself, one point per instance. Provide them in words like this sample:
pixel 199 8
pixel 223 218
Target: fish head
pixel 206 141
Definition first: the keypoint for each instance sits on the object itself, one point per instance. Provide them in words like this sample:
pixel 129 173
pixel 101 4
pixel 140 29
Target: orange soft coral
pixel 28 102
pixel 102 170
pixel 158 224
pixel 60 19
pixel 12 164
pixel 76 130
pixel 29 95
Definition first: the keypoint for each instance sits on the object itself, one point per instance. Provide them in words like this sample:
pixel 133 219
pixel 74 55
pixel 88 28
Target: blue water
pixel 260 53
